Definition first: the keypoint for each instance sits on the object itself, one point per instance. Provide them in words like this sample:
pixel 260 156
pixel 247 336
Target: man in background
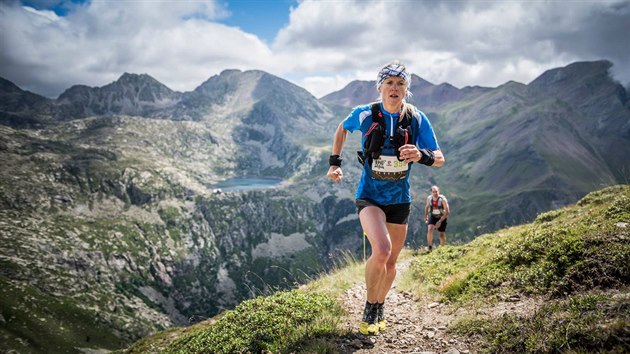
pixel 436 212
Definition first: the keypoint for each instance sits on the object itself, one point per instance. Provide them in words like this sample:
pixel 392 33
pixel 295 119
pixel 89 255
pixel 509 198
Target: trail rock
pixel 412 327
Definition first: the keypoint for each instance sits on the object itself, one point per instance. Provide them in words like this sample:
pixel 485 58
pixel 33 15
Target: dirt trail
pixel 410 329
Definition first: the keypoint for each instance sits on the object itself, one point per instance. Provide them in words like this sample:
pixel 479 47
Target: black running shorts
pixel 433 220
pixel 394 214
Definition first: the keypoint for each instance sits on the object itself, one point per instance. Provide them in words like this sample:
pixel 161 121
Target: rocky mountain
pixel 131 94
pixel 115 218
pixel 14 99
pixel 432 96
pixel 20 108
pixel 597 109
pixel 265 119
pixel 112 227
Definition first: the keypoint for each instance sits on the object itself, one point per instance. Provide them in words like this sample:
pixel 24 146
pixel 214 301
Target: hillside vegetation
pixel 574 261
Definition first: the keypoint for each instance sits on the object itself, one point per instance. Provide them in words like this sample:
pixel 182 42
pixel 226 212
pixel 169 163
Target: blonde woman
pixel 394 135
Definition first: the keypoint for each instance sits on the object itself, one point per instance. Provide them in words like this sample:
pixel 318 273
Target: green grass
pixel 343 277
pixel 44 323
pixel 573 258
pixel 302 321
pixel 585 323
pixel 563 251
pixel 283 322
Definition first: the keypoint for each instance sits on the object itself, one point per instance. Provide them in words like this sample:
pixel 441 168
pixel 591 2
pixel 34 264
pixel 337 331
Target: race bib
pixel 436 211
pixel 388 168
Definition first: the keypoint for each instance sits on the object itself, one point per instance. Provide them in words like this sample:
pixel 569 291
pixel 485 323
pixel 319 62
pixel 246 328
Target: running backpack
pixel 440 206
pixel 376 135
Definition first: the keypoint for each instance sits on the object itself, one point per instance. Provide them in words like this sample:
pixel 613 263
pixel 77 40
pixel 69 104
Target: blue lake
pixel 242 184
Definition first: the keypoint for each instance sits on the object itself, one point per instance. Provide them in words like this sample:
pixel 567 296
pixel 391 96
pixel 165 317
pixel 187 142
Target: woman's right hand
pixel 335 173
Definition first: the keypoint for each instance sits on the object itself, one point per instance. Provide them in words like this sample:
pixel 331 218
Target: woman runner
pixel 395 134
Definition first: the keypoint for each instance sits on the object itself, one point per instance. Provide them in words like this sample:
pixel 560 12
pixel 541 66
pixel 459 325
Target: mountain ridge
pixel 131 94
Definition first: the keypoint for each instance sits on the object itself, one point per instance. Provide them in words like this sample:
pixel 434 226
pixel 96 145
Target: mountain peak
pixel 424 93
pixel 584 84
pixel 8 86
pixel 584 69
pixel 134 78
pixel 230 72
pixel 14 100
pixel 251 90
pixel 417 81
pixel 131 94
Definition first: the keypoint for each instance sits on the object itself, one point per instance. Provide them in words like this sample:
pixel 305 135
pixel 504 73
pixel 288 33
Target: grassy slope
pixel 575 258
pixel 48 324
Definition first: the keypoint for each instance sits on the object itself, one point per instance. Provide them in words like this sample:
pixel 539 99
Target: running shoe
pixel 381 321
pixel 370 315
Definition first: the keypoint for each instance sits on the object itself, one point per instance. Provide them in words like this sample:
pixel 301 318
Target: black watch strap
pixel 335 160
pixel 427 157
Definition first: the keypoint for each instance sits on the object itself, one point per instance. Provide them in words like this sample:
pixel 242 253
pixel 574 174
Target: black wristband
pixel 335 160
pixel 426 157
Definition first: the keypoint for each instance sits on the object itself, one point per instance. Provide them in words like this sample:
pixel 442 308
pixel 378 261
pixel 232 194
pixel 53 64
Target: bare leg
pixel 430 235
pixel 442 238
pixel 398 233
pixel 373 222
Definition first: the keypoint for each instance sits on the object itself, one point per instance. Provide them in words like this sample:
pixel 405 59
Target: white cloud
pixel 173 41
pixel 43 16
pixel 460 42
pixel 325 45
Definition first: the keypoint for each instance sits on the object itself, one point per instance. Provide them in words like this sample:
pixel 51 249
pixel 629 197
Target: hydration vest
pixel 436 204
pixel 376 135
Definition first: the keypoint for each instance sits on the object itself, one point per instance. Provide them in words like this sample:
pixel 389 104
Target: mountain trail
pixel 410 328
pixel 414 327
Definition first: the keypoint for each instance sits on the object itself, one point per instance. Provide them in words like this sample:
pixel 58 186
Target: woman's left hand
pixel 409 153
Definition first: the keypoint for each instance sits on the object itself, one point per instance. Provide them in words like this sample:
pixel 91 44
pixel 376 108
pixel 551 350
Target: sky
pixel 47 46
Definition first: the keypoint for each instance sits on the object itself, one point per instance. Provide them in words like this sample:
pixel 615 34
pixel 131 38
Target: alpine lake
pixel 244 184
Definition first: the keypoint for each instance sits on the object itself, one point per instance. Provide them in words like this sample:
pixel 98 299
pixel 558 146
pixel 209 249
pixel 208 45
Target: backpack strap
pixel 376 134
pixel 406 121
pixel 374 137
pixel 377 115
pixel 431 204
pixel 403 133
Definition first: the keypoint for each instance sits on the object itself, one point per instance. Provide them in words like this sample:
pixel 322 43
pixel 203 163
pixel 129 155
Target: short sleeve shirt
pixel 385 192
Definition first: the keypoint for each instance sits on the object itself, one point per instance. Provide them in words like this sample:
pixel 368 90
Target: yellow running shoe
pixel 369 329
pixel 381 321
pixel 369 324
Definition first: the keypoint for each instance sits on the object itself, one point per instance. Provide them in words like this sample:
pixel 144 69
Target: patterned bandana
pixel 392 70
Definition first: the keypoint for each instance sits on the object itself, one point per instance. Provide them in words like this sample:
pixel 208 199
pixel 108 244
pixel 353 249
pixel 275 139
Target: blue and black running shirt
pixel 388 192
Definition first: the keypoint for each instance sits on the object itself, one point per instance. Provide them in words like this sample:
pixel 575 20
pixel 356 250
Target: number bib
pixel 436 212
pixel 388 168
